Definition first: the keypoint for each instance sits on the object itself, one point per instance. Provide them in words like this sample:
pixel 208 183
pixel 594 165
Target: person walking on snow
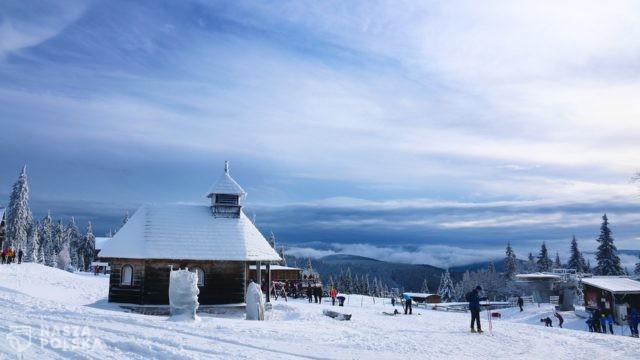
pixel 20 253
pixel 407 304
pixel 560 318
pixel 520 303
pixel 333 294
pixel 474 308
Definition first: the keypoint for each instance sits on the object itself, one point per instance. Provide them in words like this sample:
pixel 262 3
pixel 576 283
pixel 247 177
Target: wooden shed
pixel 218 242
pixel 611 294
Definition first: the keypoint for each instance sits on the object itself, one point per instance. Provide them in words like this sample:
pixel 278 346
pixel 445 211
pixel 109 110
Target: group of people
pixel 547 321
pixel 9 256
pixel 599 321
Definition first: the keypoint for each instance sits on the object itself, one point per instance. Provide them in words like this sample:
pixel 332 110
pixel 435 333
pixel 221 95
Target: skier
pixel 333 294
pixel 309 293
pixel 407 304
pixel 474 307
pixel 596 319
pixel 560 318
pixel 547 322
pixel 520 303
pixel 393 301
pixel 20 254
pixel 4 256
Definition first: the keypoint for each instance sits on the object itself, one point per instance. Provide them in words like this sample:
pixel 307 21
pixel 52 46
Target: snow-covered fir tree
pixel 425 287
pixel 531 263
pixel 125 219
pixel 18 216
pixel 446 288
pixel 60 239
pixel 510 262
pixel 557 264
pixel 608 260
pixel 367 285
pixel 74 238
pixel 375 289
pixel 348 282
pixel 491 267
pixel 356 285
pixel 87 249
pixel 31 250
pixel 637 269
pixel 47 240
pixel 543 263
pixel 576 261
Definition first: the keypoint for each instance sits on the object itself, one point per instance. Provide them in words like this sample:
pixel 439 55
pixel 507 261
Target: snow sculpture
pixel 183 294
pixel 255 302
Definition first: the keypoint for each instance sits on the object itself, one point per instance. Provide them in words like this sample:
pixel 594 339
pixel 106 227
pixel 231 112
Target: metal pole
pixel 268 282
pixel 259 274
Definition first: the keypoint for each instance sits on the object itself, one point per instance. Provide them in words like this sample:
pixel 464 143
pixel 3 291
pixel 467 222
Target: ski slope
pixel 69 318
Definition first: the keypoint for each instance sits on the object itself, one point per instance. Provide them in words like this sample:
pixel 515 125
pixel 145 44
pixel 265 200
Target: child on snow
pixel 547 322
pixel 560 318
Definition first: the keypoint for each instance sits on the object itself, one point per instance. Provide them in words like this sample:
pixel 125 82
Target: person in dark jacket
pixel 309 293
pixel 520 303
pixel 560 318
pixel 547 321
pixel 20 254
pixel 632 319
pixel 596 320
pixel 407 304
pixel 474 308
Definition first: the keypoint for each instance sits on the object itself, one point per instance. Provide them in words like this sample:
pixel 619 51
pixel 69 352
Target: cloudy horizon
pixel 410 131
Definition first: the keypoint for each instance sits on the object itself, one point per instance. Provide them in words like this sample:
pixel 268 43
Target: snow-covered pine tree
pixel 31 249
pixel 367 285
pixel 348 282
pixel 62 246
pixel 544 263
pixel 557 264
pixel 375 289
pixel 608 260
pixel 446 288
pixel 47 241
pixel 356 285
pixel 74 238
pixel 531 264
pixel 425 287
pixel 88 248
pixel 491 267
pixel 637 269
pixel 126 219
pixel 576 261
pixel 18 217
pixel 510 263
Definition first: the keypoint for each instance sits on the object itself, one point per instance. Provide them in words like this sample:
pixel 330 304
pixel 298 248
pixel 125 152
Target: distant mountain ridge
pixel 407 276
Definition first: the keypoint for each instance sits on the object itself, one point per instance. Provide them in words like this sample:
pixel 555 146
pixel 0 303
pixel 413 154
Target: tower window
pixel 226 199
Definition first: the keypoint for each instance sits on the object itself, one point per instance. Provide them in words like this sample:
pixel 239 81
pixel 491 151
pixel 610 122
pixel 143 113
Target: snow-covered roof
pixel 613 283
pixel 274 267
pixel 419 295
pixel 188 232
pixel 539 276
pixel 101 242
pixel 226 185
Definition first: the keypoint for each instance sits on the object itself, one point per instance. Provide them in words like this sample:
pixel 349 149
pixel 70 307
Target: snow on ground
pixel 68 317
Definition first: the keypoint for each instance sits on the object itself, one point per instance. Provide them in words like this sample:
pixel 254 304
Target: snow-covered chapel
pixel 216 241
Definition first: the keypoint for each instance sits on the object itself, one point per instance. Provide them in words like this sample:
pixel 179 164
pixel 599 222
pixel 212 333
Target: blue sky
pixel 408 131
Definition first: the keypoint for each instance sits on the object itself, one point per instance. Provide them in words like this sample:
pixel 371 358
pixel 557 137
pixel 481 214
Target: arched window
pixel 200 274
pixel 126 276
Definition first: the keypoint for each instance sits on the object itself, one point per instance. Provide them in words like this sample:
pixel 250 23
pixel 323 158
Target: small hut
pixel 218 242
pixel 611 294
